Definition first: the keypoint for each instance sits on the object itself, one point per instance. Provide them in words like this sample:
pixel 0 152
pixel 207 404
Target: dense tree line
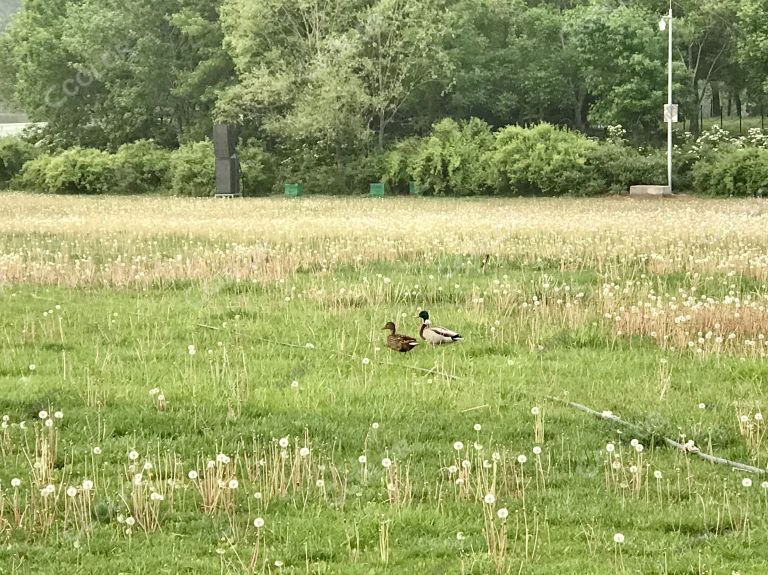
pixel 329 84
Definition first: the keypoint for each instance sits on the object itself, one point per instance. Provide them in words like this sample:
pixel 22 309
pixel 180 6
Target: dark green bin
pixel 294 190
pixel 377 190
pixel 414 189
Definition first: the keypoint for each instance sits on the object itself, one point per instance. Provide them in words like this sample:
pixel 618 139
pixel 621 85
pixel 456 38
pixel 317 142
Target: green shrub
pixel 541 160
pixel 193 170
pixel 142 167
pixel 738 172
pixel 75 171
pixel 32 175
pixel 14 153
pixel 613 167
pixel 258 170
pixel 451 161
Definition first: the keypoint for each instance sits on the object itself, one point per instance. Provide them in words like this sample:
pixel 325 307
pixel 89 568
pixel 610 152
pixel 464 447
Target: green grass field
pixel 219 398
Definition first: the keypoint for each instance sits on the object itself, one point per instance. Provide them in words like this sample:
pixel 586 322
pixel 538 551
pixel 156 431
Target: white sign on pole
pixel 670 113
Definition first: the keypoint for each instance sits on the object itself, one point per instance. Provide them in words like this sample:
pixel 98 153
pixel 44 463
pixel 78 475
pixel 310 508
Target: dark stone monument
pixel 227 162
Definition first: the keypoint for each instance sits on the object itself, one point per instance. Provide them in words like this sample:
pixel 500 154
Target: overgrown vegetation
pixel 328 104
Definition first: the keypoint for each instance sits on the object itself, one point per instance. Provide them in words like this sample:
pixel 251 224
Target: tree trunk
pixel 716 104
pixel 578 110
pixel 694 120
pixel 382 127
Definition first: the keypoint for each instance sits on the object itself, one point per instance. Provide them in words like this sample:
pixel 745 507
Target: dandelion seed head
pixel 521 459
pixel 618 538
pixel 489 499
pixel 386 463
pixel 130 521
pixel 304 451
pixel 283 442
pixel 657 474
pixel 535 410
pixel 15 482
pixel 477 427
pixel 71 491
pixel 233 484
pixel 746 482
pixel 536 450
pixel 58 415
pixel 87 485
pixel 258 523
pixel 458 446
pixel 133 455
pixel 43 414
pixel 503 513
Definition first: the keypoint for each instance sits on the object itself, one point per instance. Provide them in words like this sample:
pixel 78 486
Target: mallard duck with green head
pixel 436 335
pixel 399 342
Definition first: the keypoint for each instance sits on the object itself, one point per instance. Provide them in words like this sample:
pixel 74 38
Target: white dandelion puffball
pixel 610 448
pixel 535 410
pixel 702 406
pixel 639 448
pixel 60 415
pixel 758 416
pixel 138 478
pixel 466 464
pixel 458 446
pixel 764 485
pixel 49 423
pixel 32 367
pixel 15 482
pixel 366 361
pixel 221 458
pixel 283 442
pixel 460 536
pixel 503 513
pixel 746 482
pixel 362 460
pixel 130 521
pixel 304 451
pixel 191 349
pixel 295 384
pixel 192 475
pixel 155 496
pixel 43 414
pixel 634 443
pixel 133 455
pixel 633 469
pixel 147 466
pixel 258 523
pixel 496 456
pixel 537 450
pixel 477 446
pixel 161 398
pixel 71 491
pixel 257 495
pixel 618 538
pixel 489 499
pixel 386 463
pixel 87 485
pixel 657 474
pixel 616 464
pixel 233 484
pixel 154 391
pixel 97 450
pixel 374 425
pixel 477 427
pixel 320 483
pixel 521 459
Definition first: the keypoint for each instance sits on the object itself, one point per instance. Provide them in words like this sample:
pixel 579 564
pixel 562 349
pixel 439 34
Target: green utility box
pixel 377 190
pixel 414 189
pixel 294 190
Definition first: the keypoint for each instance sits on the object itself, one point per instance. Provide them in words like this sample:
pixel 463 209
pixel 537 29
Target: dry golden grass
pixel 141 241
